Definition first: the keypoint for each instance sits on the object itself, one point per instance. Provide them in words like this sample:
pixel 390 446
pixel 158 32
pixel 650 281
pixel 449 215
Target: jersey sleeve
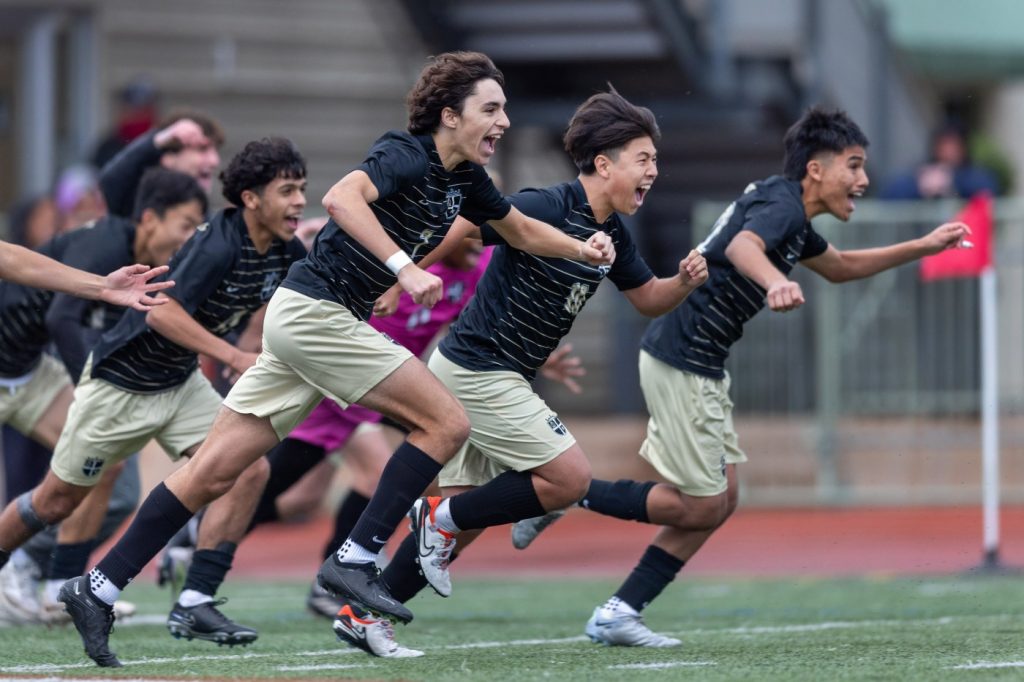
pixel 814 245
pixel 774 221
pixel 119 179
pixel 200 266
pixel 396 159
pixel 629 270
pixel 484 202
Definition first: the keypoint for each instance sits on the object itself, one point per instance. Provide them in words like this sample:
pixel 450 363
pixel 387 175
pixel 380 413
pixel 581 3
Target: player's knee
pixel 256 475
pixel 455 429
pixel 51 507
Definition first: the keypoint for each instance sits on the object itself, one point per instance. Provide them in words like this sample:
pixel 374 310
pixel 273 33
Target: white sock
pixel 190 598
pixel 102 588
pixel 353 553
pixel 443 517
pixel 619 606
pixel 51 588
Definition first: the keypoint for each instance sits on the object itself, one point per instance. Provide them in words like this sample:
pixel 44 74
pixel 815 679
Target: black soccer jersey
pixel 27 314
pixel 220 279
pixel 525 304
pixel 697 335
pixel 417 202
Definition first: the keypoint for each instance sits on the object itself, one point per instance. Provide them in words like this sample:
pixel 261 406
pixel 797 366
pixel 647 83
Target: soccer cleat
pixel 12 615
pixel 615 628
pixel 205 621
pixel 94 621
pixel 375 636
pixel 19 583
pixel 52 612
pixel 434 546
pixel 323 603
pixel 361 584
pixel 526 531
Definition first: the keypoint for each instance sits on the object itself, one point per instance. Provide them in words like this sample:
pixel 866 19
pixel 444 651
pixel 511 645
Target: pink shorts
pixel 330 427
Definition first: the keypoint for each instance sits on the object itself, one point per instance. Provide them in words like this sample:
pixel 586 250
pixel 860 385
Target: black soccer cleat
pixel 93 620
pixel 205 621
pixel 361 583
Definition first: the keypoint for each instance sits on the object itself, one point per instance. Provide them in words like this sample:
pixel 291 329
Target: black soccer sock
pixel 209 568
pixel 506 498
pixel 159 518
pixel 405 477
pixel 623 499
pixel 349 511
pixel 289 461
pixel 69 560
pixel 5 556
pixel 403 576
pixel 657 568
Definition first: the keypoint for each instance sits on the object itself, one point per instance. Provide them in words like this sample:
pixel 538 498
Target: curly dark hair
pixel 604 124
pixel 259 162
pixel 446 81
pixel 818 130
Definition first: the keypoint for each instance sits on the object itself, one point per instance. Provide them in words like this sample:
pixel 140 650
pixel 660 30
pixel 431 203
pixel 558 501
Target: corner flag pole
pixel 989 417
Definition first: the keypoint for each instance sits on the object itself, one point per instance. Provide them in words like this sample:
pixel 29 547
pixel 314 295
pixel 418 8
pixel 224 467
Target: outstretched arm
pixel 659 295
pixel 173 322
pixel 843 266
pixel 533 236
pixel 128 286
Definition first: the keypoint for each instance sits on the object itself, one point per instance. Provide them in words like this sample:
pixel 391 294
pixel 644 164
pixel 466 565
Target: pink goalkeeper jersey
pixel 414 326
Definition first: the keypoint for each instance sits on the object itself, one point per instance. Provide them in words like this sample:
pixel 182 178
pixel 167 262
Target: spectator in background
pixel 136 113
pixel 77 198
pixel 948 172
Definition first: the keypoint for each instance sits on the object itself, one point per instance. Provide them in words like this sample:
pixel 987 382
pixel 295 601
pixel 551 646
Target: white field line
pixel 742 630
pixel 660 666
pixel 988 665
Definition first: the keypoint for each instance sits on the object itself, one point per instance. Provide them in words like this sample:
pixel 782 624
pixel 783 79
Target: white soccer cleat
pixel 434 546
pixel 19 583
pixel 617 628
pixel 526 531
pixel 375 636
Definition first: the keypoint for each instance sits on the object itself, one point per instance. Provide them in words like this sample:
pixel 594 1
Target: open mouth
pixel 292 221
pixel 490 143
pixel 639 193
pixel 851 200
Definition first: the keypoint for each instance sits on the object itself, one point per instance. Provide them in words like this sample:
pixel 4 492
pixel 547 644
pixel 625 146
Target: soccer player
pixel 520 459
pixel 38 389
pixel 187 141
pixel 141 380
pixel 394 209
pixel 129 286
pixel 690 440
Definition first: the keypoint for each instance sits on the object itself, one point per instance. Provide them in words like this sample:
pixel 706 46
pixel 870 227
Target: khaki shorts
pixel 690 435
pixel 511 427
pixel 25 400
pixel 106 424
pixel 312 348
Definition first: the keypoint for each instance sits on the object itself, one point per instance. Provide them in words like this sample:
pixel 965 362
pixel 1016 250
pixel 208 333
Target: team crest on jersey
pixel 452 203
pixel 270 282
pixel 92 466
pixel 576 298
pixel 603 270
pixel 556 425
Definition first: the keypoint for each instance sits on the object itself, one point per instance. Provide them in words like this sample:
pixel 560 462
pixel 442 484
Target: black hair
pixel 603 124
pixel 162 188
pixel 20 216
pixel 210 126
pixel 446 81
pixel 256 166
pixel 818 130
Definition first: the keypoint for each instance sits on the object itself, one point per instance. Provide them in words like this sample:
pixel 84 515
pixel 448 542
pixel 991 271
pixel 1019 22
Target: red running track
pixel 755 542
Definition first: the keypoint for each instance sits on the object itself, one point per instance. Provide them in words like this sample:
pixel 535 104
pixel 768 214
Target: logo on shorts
pixel 388 337
pixel 723 465
pixel 92 466
pixel 556 425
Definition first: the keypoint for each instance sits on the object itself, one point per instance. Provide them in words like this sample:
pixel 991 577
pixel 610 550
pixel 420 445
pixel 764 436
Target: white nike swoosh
pixel 76 588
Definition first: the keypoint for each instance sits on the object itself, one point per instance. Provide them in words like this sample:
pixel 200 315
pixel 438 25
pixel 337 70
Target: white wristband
pixel 397 261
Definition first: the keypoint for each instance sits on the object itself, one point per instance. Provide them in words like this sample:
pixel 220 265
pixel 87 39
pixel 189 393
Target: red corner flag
pixel 977 214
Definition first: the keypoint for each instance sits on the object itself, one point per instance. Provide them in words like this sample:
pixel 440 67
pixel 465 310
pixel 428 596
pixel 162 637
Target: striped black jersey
pixel 220 280
pixel 525 304
pixel 27 315
pixel 417 202
pixel 696 336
